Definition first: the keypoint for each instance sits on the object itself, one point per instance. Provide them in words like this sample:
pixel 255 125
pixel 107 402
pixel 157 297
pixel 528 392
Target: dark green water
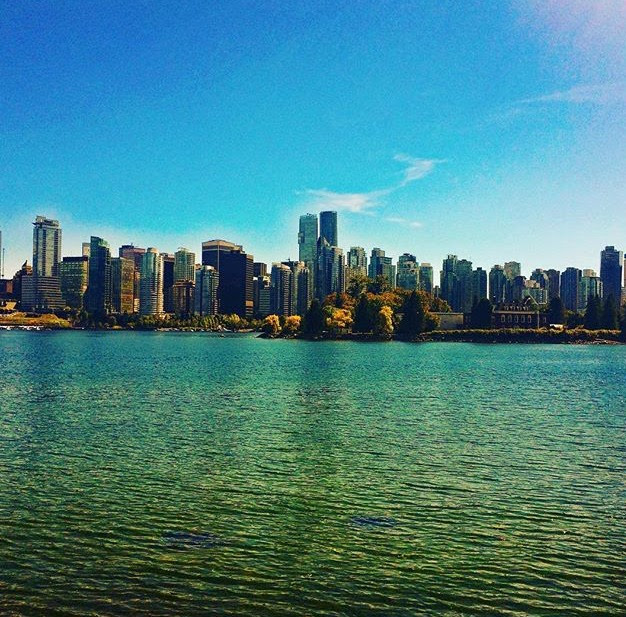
pixel 186 474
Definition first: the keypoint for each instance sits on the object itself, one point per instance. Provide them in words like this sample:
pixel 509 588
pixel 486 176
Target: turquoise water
pixel 187 474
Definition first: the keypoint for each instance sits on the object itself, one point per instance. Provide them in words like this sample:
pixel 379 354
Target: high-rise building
pixel 570 288
pixel 236 269
pixel 448 279
pixel 426 278
pixel 408 276
pixel 457 283
pixel 479 284
pixel 24 271
pixel 262 295
pixel 382 265
pixel 611 263
pixel 301 288
pixel 281 298
pixel 98 294
pixel 151 283
pixel 206 291
pixel 497 285
pixel 554 284
pixel 307 239
pixel 122 285
pixel 330 275
pixel 512 269
pixel 523 288
pixel 590 286
pixel 259 269
pixel 74 275
pixel 464 293
pixel 46 247
pixel 168 282
pixel 42 291
pixel 136 254
pixel 541 277
pixel 183 292
pixel 86 248
pixel 41 294
pixel 356 263
pixel 184 265
pixel 328 227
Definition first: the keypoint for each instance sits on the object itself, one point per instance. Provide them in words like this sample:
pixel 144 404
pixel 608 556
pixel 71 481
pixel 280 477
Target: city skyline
pixel 154 282
pixel 77 245
pixel 496 132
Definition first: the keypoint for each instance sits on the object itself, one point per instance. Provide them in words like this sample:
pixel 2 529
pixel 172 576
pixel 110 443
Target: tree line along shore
pixel 368 313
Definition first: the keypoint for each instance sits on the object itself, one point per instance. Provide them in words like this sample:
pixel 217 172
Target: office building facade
pixel 98 294
pixel 151 283
pixel 236 269
pixel 74 278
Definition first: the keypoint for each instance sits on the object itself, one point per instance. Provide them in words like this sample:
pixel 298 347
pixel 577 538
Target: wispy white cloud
pixel 402 221
pixel 416 168
pixel 362 203
pixel 600 94
pixel 367 202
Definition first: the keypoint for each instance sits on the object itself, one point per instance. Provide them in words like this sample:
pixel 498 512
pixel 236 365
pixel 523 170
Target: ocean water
pixel 188 474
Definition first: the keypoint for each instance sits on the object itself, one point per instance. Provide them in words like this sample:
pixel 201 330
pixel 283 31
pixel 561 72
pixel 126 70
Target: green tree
pixel 573 319
pixel 413 317
pixel 610 316
pixel 481 314
pixel 363 318
pixel 593 313
pixel 358 285
pixel 379 285
pixel 556 311
pixel 623 324
pixel 313 322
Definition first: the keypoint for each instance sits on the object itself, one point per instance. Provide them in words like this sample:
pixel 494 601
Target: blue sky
pixel 492 130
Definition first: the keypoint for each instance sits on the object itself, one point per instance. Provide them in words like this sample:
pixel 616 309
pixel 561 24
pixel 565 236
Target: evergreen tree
pixel 363 320
pixel 609 314
pixel 413 318
pixel 556 311
pixel 481 314
pixel 379 285
pixel 313 322
pixel 358 285
pixel 593 313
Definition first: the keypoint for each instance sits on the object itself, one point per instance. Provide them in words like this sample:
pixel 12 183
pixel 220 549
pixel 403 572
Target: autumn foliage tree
pixel 271 325
pixel 383 326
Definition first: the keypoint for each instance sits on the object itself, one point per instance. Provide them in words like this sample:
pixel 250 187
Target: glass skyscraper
pixel 151 283
pixel 307 239
pixel 236 269
pixel 611 263
pixel 328 227
pixel 98 295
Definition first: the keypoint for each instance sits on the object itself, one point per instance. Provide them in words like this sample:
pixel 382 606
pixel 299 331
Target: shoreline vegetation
pixel 572 336
pixel 327 322
pixel 370 311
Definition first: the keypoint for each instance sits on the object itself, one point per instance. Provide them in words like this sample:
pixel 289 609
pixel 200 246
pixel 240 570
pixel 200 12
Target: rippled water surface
pixel 186 474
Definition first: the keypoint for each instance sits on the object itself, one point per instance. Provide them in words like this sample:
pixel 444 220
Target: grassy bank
pixel 42 321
